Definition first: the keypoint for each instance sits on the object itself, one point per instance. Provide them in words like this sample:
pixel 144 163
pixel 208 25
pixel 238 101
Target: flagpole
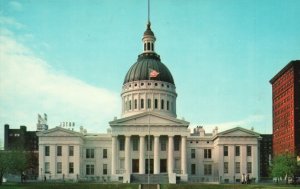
pixel 148 138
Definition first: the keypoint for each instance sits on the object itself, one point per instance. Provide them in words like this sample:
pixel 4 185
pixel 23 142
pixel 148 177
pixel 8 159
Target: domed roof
pixel 146 62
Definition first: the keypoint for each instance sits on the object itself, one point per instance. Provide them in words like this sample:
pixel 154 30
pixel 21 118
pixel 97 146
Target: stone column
pixel 127 154
pixel 41 161
pixel 183 155
pixel 142 155
pixel 170 154
pixel 255 163
pixel 113 155
pixel 156 155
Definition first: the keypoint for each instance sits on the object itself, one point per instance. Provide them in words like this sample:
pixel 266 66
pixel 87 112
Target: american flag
pixel 153 73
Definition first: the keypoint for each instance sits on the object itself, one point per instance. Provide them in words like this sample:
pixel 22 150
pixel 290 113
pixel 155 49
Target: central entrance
pixel 147 166
pixel 135 165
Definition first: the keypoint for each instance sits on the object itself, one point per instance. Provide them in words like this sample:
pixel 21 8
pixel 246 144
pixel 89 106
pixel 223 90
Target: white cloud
pixel 29 85
pixel 7 21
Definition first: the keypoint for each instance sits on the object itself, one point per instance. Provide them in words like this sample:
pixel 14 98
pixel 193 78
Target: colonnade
pixel 156 154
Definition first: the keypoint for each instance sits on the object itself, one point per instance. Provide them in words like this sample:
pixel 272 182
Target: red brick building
pixel 286 109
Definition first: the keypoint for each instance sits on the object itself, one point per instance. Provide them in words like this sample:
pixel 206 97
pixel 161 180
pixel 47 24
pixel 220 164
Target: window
pixel 207 169
pixel 225 167
pixel 152 46
pixel 71 150
pixel 104 153
pixel 193 153
pixel 58 167
pixel 144 46
pixel 155 103
pixel 71 167
pixel 129 104
pixel 148 46
pixel 207 153
pixel 193 169
pixel 58 152
pixel 237 167
pixel 104 169
pixel 149 103
pixel 225 150
pixel 135 144
pixel 149 144
pixel 249 152
pixel 89 169
pixel 47 167
pixel 135 103
pixel 168 105
pixel 121 144
pixel 89 153
pixel 142 103
pixel 176 143
pixel 249 167
pixel 163 144
pixel 237 150
pixel 162 104
pixel 47 150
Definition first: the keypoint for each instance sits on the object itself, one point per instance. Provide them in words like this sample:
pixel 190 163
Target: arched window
pixel 148 46
pixel 155 103
pixel 135 103
pixel 152 46
pixel 129 104
pixel 149 103
pixel 162 104
pixel 142 103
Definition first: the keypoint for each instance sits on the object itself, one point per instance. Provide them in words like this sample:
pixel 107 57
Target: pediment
pixel 149 118
pixel 59 132
pixel 238 131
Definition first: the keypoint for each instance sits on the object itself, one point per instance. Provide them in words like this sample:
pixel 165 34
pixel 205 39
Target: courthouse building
pixel 149 139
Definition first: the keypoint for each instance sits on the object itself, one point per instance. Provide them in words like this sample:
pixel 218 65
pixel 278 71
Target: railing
pixel 120 171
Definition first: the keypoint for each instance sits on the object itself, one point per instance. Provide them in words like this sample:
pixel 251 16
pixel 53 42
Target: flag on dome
pixel 153 73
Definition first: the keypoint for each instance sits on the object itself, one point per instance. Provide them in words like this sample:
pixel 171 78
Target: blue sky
pixel 69 58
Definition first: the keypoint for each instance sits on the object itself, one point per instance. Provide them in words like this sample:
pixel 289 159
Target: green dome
pixel 147 61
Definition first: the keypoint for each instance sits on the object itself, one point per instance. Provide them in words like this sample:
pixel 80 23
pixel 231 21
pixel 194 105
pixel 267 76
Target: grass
pixel 135 186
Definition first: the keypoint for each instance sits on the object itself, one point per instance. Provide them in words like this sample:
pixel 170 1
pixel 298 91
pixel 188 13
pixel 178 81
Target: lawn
pixel 135 186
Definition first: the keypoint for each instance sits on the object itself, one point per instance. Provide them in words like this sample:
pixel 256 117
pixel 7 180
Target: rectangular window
pixel 121 144
pixel 135 144
pixel 237 150
pixel 168 105
pixel 225 150
pixel 162 104
pixel 193 169
pixel 207 153
pixel 149 103
pixel 149 144
pixel 47 150
pixel 47 167
pixel 237 167
pixel 225 167
pixel 71 150
pixel 71 167
pixel 155 103
pixel 176 144
pixel 58 167
pixel 207 169
pixel 142 103
pixel 249 152
pixel 104 169
pixel 90 153
pixel 249 167
pixel 104 153
pixel 163 144
pixel 58 152
pixel 193 153
pixel 90 169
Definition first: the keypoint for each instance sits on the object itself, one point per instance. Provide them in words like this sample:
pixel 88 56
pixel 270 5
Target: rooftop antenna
pixel 148 11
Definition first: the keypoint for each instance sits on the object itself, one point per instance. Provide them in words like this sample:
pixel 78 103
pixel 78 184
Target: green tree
pixel 284 166
pixel 12 162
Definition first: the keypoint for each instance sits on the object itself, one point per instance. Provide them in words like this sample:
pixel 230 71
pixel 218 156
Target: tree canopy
pixel 284 166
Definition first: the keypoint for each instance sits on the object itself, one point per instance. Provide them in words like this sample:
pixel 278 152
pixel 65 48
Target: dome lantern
pixel 149 39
